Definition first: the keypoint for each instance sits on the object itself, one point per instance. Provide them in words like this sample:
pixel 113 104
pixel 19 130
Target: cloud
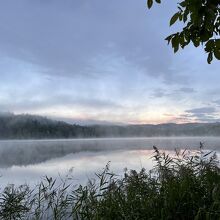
pixel 64 39
pixel 203 114
pixel 202 110
pixel 104 57
pixel 56 101
pixel 160 93
pixel 186 90
pixel 217 102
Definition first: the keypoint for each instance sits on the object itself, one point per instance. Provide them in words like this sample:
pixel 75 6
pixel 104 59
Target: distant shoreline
pixel 29 127
pixel 105 138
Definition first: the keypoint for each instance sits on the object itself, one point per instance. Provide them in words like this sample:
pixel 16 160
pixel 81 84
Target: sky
pixel 102 61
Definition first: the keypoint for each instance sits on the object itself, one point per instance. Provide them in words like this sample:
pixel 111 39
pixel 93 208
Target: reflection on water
pixel 28 161
pixel 83 164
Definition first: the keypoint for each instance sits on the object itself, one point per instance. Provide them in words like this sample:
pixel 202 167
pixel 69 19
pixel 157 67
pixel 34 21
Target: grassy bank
pixel 184 186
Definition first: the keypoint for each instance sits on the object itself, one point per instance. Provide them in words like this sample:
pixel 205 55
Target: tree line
pixel 30 126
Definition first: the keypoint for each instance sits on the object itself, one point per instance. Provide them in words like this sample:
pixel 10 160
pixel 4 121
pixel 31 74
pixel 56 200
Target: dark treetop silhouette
pixel 201 25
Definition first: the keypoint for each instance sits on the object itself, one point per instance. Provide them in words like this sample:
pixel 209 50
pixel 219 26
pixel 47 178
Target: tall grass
pixel 182 186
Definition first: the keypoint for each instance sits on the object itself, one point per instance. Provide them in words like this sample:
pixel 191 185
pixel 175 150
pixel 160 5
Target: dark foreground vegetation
pixel 37 127
pixel 184 186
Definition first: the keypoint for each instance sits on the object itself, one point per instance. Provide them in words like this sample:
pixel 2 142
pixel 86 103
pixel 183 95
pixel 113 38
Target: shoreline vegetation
pixel 21 127
pixel 183 186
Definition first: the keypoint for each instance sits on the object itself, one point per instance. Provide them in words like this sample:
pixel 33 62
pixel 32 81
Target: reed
pixel 182 186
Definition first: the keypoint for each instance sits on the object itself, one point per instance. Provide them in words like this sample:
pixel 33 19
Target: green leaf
pixel 209 46
pixel 183 4
pixel 174 18
pixel 175 43
pixel 196 42
pixel 158 1
pixel 149 3
pixel 210 58
pixel 217 43
pixel 180 17
pixel 217 54
pixel 169 38
pixel 176 48
pixel 185 15
pixel 205 35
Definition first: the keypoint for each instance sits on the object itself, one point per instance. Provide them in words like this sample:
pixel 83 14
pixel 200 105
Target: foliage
pixel 184 186
pixel 37 127
pixel 201 25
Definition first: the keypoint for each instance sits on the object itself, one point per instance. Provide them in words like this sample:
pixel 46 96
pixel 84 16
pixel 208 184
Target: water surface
pixel 30 160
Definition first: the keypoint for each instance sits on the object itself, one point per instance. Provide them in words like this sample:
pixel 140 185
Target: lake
pixel 28 161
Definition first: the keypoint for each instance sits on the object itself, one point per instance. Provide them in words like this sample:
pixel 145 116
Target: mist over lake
pixel 27 161
pixel 102 116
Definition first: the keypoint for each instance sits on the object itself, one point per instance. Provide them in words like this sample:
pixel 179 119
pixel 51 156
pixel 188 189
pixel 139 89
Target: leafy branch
pixel 201 19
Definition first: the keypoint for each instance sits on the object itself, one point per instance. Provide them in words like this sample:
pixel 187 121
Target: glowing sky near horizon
pixel 101 61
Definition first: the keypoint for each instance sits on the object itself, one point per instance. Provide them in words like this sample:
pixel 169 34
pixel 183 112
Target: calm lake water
pixel 31 160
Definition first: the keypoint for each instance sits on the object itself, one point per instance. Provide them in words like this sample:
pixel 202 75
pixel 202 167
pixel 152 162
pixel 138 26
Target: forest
pixel 26 126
